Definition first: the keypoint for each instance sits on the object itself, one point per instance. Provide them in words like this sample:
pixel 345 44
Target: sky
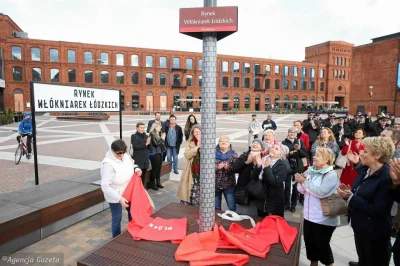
pixel 277 29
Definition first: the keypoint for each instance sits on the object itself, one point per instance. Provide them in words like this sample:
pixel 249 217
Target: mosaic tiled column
pixel 208 132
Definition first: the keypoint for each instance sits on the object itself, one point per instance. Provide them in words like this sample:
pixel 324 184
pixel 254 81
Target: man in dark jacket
pixel 157 119
pixel 341 132
pixel 269 123
pixel 140 142
pixel 312 130
pixel 173 141
pixel 375 129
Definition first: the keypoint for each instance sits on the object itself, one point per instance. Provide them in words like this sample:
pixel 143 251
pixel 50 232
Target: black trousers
pixel 288 187
pixel 28 141
pixel 143 176
pixel 265 214
pixel 156 162
pixel 317 238
pixel 371 252
pixel 295 196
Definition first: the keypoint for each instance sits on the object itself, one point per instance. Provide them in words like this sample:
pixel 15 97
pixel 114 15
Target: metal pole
pixel 208 127
pixel 120 116
pixel 35 160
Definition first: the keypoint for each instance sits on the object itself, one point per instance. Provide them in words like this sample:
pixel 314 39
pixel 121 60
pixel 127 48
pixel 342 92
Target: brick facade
pixel 376 64
pixel 319 57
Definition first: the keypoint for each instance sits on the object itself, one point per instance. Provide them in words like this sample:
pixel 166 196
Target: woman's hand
pixel 258 159
pixel 296 147
pixel 347 142
pixel 344 191
pixel 148 141
pixel 353 157
pixel 300 178
pixel 163 135
pixel 221 165
pixel 139 172
pixel 267 162
pixel 249 158
pixel 226 165
pixel 394 170
pixel 124 202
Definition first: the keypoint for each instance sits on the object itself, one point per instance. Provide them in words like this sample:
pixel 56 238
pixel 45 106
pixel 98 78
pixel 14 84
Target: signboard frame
pixel 33 111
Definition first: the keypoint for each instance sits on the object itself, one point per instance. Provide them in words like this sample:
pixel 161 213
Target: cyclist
pixel 25 129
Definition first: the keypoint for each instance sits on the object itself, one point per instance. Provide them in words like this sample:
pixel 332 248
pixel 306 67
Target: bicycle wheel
pixel 18 154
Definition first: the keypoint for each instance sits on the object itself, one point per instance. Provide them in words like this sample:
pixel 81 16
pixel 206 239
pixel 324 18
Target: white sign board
pixel 2 83
pixel 59 98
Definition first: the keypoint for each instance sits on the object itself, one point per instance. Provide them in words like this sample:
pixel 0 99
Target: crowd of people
pixel 273 176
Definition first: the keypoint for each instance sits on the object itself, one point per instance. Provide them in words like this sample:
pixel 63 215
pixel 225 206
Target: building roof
pixel 386 37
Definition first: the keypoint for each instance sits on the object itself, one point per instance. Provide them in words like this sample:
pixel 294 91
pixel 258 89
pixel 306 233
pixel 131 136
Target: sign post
pixel 210 24
pixel 59 98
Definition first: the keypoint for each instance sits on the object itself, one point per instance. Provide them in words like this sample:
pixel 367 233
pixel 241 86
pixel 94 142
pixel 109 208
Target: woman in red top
pixel 349 174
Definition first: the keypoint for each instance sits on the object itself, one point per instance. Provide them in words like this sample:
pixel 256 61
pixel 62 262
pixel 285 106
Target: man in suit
pixel 341 132
pixel 157 119
pixel 173 141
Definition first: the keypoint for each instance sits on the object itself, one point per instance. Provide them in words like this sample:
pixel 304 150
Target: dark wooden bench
pixel 33 213
pixel 123 250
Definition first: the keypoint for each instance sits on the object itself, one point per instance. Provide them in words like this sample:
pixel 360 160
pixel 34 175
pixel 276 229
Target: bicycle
pixel 21 149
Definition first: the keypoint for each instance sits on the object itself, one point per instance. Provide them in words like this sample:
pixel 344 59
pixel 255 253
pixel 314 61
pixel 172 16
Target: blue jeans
pixel 229 194
pixel 116 216
pixel 172 154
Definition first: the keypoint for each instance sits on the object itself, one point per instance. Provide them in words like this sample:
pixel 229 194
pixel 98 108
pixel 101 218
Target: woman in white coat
pixel 117 169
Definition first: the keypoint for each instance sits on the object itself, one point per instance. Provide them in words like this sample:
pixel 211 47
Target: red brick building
pixel 153 79
pixel 377 65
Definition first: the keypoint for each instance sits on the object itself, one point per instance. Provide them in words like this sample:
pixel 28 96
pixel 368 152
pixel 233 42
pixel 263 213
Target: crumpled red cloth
pixel 200 248
pixel 142 226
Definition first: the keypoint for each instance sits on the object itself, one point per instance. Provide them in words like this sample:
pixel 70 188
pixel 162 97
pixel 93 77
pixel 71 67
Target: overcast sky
pixel 277 29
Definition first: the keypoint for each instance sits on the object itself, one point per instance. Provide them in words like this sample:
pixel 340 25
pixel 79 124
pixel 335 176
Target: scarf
pixel 317 171
pixel 222 157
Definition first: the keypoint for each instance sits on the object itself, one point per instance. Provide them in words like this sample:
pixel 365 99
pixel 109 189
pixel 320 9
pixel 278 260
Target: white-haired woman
pixel 269 139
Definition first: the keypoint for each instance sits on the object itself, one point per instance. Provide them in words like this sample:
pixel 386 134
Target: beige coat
pixel 186 182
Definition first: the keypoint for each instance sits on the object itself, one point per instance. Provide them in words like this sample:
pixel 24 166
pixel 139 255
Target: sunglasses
pixel 119 152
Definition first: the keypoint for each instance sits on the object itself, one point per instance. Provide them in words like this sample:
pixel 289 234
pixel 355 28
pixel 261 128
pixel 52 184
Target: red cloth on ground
pixel 142 226
pixel 199 249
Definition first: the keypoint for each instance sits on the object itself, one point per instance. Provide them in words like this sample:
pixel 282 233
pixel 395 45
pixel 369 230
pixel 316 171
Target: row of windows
pixel 176 62
pixel 340 74
pixel 341 61
pixel 135 79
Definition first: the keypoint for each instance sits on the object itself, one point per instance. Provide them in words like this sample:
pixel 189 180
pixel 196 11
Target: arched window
pixel 163 101
pixel 247 82
pixel 257 83
pixel 149 78
pixel 149 61
pixel 189 79
pixel 55 75
pixel 303 101
pixel 277 98
pixel 341 61
pixel 344 74
pixel 71 75
pixel 35 54
pixel 36 74
pixel 177 97
pixel 247 101
pixel 16 53
pixel 119 58
pixel 104 58
pixel 53 55
pixel 163 79
pixel 225 66
pixel 225 102
pixel 236 101
pixel 88 76
pixel 177 62
pixel 277 70
pixel 268 69
pixel 149 101
pixel 135 101
pixel 134 61
pixel 104 76
pixel 88 57
pixel 225 82
pixel 257 102
pixel 267 102
pixel 122 101
pixel 277 84
pixel 286 101
pixel 17 73
pixel 135 78
pixel 189 63
pixel 345 62
pixel 120 77
pixel 236 67
pixel 295 101
pixel 335 73
pixel 337 61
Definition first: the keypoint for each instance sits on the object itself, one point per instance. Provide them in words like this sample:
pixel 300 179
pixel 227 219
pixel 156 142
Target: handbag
pixel 256 188
pixel 342 160
pixel 242 196
pixel 334 205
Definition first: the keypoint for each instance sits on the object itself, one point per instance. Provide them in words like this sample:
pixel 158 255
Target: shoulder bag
pixel 333 205
pixel 341 160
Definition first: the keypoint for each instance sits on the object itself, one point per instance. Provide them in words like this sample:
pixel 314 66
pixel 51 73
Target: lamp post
pixel 370 97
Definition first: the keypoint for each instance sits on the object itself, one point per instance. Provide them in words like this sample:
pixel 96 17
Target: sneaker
pixel 176 172
pixel 28 156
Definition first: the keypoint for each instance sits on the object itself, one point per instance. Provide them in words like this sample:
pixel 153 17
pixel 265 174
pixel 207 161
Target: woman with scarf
pixel 297 152
pixel 272 170
pixel 189 185
pixel 326 139
pixel 269 139
pixel 349 174
pixel 225 181
pixel 319 181
pixel 156 150
pixel 191 121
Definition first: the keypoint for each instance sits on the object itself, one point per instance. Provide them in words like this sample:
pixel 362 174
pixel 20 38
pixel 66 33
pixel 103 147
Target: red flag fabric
pixel 142 226
pixel 199 249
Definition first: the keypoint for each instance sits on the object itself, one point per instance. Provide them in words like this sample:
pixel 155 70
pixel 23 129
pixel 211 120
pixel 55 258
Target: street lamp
pixel 370 97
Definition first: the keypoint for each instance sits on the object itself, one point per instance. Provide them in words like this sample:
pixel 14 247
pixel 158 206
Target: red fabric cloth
pixel 142 226
pixel 349 174
pixel 306 140
pixel 199 249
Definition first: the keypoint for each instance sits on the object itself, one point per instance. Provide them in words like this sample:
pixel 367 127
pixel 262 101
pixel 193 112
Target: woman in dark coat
pixel 272 170
pixel 140 142
pixel 156 150
pixel 297 152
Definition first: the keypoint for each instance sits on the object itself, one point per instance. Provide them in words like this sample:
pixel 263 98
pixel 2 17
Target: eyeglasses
pixel 119 152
